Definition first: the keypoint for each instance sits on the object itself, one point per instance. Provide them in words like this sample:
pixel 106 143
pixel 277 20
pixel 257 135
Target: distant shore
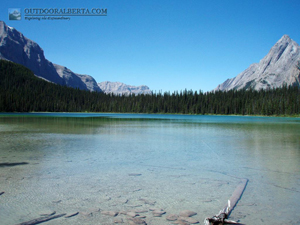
pixel 208 114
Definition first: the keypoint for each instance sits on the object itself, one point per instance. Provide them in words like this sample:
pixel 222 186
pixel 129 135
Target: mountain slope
pixel 121 88
pixel 15 47
pixel 22 91
pixel 75 80
pixel 277 68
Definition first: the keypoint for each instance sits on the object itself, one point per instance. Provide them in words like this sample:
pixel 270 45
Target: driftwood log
pixel 222 217
pixel 41 219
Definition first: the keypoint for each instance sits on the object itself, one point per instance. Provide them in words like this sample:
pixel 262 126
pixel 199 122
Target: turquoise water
pixel 82 162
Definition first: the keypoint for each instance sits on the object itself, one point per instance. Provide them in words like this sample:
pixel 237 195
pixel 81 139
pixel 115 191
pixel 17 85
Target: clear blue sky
pixel 168 45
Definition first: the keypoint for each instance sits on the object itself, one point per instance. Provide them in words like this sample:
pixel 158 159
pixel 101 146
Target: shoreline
pixel 3 114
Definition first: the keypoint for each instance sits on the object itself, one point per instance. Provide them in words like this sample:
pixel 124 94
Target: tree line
pixel 21 91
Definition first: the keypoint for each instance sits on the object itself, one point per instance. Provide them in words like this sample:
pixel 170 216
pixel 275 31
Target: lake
pixel 85 162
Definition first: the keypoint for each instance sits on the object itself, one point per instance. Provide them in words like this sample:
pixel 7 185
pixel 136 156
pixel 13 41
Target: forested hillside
pixel 21 91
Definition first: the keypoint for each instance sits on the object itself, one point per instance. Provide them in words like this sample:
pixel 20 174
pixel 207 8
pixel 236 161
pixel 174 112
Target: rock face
pixel 277 68
pixel 75 80
pixel 19 49
pixel 90 82
pixel 121 88
pixel 15 47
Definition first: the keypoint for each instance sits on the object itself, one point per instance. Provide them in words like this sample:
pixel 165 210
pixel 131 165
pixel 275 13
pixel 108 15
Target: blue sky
pixel 168 45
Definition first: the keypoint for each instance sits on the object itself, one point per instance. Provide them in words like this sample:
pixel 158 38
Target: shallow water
pixel 70 163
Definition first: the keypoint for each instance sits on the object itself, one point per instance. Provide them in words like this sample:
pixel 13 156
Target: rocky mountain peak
pixel 285 38
pixel 15 47
pixel 277 68
pixel 121 88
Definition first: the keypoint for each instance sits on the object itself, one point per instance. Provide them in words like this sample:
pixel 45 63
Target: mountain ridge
pixel 277 68
pixel 121 88
pixel 15 47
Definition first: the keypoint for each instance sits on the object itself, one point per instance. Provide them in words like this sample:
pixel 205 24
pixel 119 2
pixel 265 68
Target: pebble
pixel 147 201
pixel 135 221
pixel 172 217
pixel 142 217
pixel 188 220
pixel 107 198
pixel 109 213
pixel 155 209
pixel 94 209
pixel 132 214
pixel 187 213
pixel 58 201
pixel 181 222
pixel 123 212
pixel 48 214
pixel 86 213
pixel 158 213
pixel 134 174
pixel 141 211
pixel 134 206
pixel 139 189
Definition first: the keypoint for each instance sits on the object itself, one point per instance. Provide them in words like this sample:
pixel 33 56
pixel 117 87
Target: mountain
pixel 121 88
pixel 277 68
pixel 71 79
pixel 15 47
pixel 19 49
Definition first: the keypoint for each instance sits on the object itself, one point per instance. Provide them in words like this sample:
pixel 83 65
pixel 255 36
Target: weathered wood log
pixel 41 219
pixel 235 197
pixel 221 218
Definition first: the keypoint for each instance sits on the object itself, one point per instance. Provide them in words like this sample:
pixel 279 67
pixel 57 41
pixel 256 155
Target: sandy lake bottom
pixel 136 164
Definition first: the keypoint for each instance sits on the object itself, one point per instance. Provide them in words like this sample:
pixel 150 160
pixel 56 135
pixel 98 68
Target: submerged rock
pixel 181 222
pixel 141 211
pixel 134 221
pixel 94 209
pixel 172 217
pixel 132 214
pixel 48 213
pixel 134 174
pixel 187 213
pixel 118 220
pixel 141 217
pixel 155 209
pixel 109 213
pixel 86 213
pixel 188 220
pixel 147 201
pixel 158 213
